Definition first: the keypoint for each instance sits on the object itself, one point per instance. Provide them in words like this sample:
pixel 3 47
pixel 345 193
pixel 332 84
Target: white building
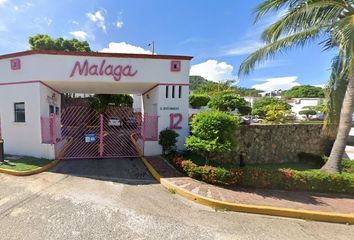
pixel 31 84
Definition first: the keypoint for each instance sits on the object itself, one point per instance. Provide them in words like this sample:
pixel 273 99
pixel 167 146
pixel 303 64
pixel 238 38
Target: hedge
pixel 281 178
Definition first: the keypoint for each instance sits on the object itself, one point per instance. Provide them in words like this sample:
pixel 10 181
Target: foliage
pixel 25 163
pixel 226 101
pixel 212 133
pixel 259 107
pixel 308 111
pixel 100 102
pixel 45 42
pixel 244 110
pixel 198 100
pixel 262 176
pixel 200 85
pixel 278 113
pixel 335 91
pixel 304 91
pixel 304 21
pixel 168 140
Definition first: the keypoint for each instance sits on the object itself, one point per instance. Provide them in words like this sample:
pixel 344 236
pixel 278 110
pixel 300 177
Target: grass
pixel 25 163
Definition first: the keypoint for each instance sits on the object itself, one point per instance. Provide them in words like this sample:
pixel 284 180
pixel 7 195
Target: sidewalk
pixel 331 203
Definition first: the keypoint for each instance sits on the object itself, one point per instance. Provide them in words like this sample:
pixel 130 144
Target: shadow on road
pixel 126 170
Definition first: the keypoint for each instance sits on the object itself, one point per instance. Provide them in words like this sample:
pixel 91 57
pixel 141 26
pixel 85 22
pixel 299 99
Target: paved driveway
pixel 65 204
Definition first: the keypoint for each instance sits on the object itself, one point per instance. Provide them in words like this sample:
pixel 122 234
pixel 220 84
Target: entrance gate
pixel 87 133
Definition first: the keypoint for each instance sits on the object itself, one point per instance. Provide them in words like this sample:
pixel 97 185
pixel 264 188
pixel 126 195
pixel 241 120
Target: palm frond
pixel 273 5
pixel 269 50
pixel 305 15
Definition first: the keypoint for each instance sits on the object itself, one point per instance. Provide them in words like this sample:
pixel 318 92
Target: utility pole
pixel 152 44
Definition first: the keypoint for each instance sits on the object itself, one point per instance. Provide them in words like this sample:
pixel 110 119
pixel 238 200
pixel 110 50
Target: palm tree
pixel 335 91
pixel 303 22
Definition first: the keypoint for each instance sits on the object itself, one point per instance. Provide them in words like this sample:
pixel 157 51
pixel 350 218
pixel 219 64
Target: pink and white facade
pixel 31 84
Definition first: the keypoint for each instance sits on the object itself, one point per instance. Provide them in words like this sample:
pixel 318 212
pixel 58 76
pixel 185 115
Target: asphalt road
pixel 109 204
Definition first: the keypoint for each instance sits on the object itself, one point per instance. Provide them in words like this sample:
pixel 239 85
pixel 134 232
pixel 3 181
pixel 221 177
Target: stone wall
pixel 278 143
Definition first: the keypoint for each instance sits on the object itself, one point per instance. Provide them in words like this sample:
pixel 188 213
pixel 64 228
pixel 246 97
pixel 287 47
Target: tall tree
pixel 45 42
pixel 335 91
pixel 304 91
pixel 303 22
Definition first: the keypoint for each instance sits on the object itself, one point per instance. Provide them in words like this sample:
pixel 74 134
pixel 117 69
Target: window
pixel 166 91
pixel 180 92
pixel 173 91
pixel 51 109
pixel 57 110
pixel 20 112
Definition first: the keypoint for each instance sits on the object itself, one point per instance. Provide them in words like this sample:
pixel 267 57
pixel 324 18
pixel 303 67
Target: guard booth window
pixel 20 112
pixel 51 109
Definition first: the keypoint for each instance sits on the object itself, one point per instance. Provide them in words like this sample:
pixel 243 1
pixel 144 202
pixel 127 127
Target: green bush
pixel 348 166
pixel 198 100
pixel 212 132
pixel 278 113
pixel 260 106
pixel 304 91
pixel 278 178
pixel 168 140
pixel 226 101
pixel 244 110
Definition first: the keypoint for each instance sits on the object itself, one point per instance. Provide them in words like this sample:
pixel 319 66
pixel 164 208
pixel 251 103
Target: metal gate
pixel 87 133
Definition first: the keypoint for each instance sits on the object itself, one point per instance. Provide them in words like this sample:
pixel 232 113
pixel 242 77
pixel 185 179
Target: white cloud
pixel 119 24
pixel 214 71
pixel 123 47
pixel 80 35
pixel 271 84
pixel 98 19
pixel 244 47
pixel 2 2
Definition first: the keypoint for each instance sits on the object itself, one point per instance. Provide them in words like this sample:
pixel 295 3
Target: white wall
pixel 25 138
pixel 55 71
pixel 297 104
pixel 21 138
pixel 155 101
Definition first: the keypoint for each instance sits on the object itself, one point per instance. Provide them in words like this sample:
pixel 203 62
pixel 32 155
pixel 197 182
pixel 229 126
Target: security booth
pixel 36 121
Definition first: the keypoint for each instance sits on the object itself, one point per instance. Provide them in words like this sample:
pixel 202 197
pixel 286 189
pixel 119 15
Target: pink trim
pixel 165 84
pixel 29 82
pixel 94 54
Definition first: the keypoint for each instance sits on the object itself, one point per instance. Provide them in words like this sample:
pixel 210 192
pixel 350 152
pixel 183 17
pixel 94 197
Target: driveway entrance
pixel 127 170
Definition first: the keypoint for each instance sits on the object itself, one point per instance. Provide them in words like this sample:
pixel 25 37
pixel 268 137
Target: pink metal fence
pixel 90 134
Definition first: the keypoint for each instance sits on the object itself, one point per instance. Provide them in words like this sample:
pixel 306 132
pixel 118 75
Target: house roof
pixel 93 54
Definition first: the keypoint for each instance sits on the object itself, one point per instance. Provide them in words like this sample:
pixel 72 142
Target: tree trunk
pixel 333 165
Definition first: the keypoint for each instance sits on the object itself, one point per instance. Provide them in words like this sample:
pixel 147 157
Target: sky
pixel 219 34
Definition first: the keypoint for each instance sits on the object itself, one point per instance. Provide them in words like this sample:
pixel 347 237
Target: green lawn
pixel 25 163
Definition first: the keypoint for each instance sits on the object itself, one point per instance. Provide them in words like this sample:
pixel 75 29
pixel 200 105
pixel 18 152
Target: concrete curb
pixel 257 209
pixel 37 170
pixel 30 172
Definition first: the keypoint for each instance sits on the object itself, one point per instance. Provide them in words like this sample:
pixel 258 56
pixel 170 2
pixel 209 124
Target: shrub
pixel 226 101
pixel 278 113
pixel 168 140
pixel 244 110
pixel 259 107
pixel 198 100
pixel 212 132
pixel 307 112
pixel 281 178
